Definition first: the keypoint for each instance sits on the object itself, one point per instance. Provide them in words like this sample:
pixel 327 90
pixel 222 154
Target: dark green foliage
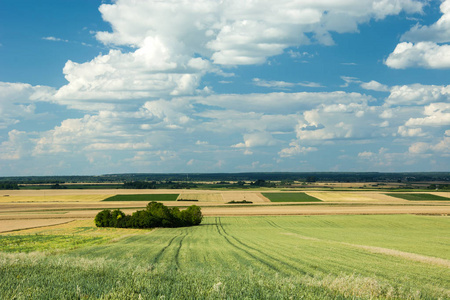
pixel 158 185
pixel 8 186
pixel 57 186
pixel 262 183
pixel 154 215
pixel 103 218
pixel 237 202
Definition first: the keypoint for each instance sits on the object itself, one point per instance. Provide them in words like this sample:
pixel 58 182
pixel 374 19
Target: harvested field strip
pixel 241 196
pixel 54 198
pixel 144 197
pixel 203 197
pixel 290 197
pixel 418 197
pixel 345 197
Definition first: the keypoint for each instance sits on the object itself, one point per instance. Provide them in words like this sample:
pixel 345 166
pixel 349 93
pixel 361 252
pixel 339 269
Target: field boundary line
pixel 265 199
pixel 386 251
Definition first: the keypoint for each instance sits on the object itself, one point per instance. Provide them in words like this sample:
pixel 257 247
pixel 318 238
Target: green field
pixel 290 197
pixel 309 257
pixel 146 197
pixel 418 197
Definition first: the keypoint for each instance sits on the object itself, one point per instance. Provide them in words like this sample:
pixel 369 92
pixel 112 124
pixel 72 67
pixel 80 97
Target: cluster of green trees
pixel 154 215
pixel 8 186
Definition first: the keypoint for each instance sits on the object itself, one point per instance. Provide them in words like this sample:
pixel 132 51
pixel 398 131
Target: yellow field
pixel 202 197
pixel 354 197
pixel 54 198
pixel 247 196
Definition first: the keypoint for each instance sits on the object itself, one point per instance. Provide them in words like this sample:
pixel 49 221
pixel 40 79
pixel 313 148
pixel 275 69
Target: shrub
pixel 103 218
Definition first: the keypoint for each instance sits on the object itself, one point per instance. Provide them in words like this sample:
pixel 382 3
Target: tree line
pixel 154 215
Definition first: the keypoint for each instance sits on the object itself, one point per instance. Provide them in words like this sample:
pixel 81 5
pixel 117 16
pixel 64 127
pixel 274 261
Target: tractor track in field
pixel 243 246
pixel 177 252
pixel 161 252
pixel 223 233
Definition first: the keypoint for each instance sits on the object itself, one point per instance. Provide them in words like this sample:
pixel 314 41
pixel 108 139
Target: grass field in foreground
pixel 145 197
pixel 418 197
pixel 310 257
pixel 290 197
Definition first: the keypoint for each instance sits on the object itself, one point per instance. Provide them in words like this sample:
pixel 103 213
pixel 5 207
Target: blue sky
pixel 95 87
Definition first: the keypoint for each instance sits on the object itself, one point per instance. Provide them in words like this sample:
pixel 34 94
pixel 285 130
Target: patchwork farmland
pixel 365 245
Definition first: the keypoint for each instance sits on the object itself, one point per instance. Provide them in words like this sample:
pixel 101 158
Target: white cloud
pixel 283 85
pixel 375 86
pixel 427 55
pixel 295 149
pixel 418 94
pixel 437 114
pixel 410 132
pixel 339 121
pixel 17 101
pixel 54 39
pixel 438 32
pixel 15 147
pixel 256 139
pixel 118 146
pixel 281 102
pixel 423 46
pixel 153 70
pixel 241 32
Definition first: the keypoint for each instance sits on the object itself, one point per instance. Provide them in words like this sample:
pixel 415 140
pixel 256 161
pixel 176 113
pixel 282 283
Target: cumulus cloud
pixel 151 71
pixel 427 55
pixel 339 121
pixel 256 139
pixel 418 94
pixel 16 146
pixel 424 46
pixel 410 132
pixel 437 114
pixel 438 32
pixel 295 149
pixel 241 32
pixel 169 58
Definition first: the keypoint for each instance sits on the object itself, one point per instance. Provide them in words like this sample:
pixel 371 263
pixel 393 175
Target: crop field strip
pixel 418 197
pixel 144 197
pixel 322 257
pixel 290 197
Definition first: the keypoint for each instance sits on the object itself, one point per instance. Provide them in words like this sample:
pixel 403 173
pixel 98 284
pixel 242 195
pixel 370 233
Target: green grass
pixel 290 197
pixel 146 197
pixel 418 197
pixel 298 257
pixel 29 243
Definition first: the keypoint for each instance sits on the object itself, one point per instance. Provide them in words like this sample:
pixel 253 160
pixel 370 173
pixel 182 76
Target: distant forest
pixel 235 177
